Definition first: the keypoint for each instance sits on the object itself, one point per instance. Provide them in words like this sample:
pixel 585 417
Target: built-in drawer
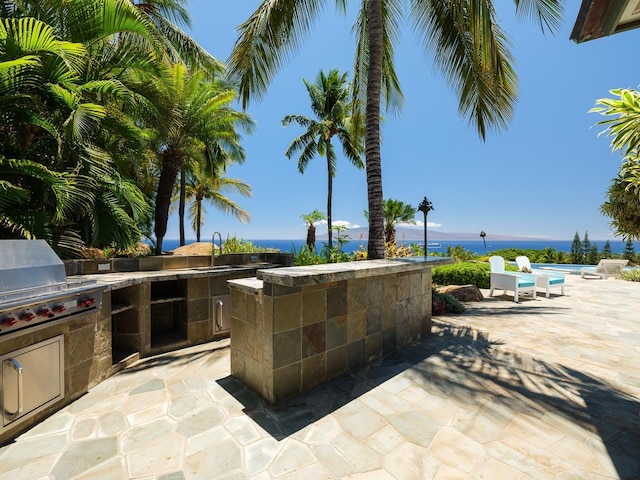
pixel 31 379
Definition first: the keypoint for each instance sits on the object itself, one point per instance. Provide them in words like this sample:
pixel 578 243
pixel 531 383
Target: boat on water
pixel 431 245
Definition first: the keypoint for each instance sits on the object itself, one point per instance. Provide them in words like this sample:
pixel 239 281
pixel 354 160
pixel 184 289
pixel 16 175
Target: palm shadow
pixel 465 366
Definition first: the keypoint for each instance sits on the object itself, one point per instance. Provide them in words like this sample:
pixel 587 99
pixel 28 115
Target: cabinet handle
pixel 15 364
pixel 219 305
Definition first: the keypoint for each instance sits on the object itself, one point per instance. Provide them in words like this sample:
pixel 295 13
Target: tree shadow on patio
pixel 548 415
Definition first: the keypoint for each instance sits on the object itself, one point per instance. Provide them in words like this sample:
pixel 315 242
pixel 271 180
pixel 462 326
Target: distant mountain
pixel 417 235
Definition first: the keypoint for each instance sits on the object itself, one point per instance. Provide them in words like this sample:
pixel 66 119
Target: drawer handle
pixel 219 305
pixel 15 364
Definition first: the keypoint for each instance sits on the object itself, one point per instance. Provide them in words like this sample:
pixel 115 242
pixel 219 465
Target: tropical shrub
pixel 460 253
pixel 307 256
pixel 391 250
pixel 140 249
pixel 239 245
pixel 632 275
pixel 442 303
pixel 510 254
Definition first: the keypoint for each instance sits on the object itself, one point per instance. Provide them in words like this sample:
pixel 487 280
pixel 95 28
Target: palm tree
pixel 194 122
pixel 311 219
pixel 49 148
pixel 94 118
pixel 396 212
pixel 202 184
pixel 464 37
pixel 330 102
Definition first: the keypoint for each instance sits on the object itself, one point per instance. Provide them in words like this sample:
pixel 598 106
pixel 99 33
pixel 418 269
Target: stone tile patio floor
pixel 544 389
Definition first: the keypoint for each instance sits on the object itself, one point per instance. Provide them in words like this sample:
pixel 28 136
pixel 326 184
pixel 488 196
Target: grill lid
pixel 29 267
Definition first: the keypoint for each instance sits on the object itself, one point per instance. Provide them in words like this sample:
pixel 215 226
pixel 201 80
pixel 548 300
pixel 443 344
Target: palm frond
pixel 267 40
pixel 471 50
pixel 622 117
pixel 229 207
pixel 547 13
pixel 393 97
pixel 299 119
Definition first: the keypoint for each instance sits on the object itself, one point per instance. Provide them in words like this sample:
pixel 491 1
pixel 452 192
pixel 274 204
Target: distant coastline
pixel 417 235
pixel 435 246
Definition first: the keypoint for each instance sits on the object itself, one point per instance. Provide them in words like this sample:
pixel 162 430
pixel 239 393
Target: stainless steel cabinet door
pixel 32 377
pixel 222 313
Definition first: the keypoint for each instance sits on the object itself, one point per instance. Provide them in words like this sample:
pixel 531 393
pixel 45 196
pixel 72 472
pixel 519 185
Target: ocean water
pixel 476 246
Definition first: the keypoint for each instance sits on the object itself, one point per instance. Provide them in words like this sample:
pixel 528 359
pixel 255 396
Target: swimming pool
pixel 570 268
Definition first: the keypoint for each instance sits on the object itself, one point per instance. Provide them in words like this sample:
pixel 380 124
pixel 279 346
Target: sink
pixel 217 268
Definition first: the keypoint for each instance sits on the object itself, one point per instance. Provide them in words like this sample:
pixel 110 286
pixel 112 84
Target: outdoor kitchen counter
pixel 293 328
pixel 118 280
pixel 155 311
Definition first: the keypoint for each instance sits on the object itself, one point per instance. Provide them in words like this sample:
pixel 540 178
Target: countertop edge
pixel 334 272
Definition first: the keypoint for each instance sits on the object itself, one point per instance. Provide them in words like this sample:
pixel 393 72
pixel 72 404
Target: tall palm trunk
pixel 198 218
pixel 375 249
pixel 311 237
pixel 329 196
pixel 183 202
pixel 390 234
pixel 172 160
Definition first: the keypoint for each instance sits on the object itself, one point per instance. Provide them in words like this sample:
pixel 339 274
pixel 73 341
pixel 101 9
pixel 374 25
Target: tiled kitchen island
pixel 296 327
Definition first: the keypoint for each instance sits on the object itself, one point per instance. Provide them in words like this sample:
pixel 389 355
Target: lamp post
pixel 482 234
pixel 425 207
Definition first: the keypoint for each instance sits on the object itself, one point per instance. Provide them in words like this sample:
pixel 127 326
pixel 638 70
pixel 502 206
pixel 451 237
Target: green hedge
pixel 465 273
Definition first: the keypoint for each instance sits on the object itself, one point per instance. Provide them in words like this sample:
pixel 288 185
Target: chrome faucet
pixel 213 247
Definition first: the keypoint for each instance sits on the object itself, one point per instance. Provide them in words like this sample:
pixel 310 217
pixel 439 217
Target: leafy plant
pixel 442 303
pixel 307 256
pixel 392 250
pixel 510 254
pixel 460 254
pixel 631 275
pixel 239 245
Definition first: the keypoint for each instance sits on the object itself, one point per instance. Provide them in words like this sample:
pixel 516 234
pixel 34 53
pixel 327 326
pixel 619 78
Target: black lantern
pixel 425 207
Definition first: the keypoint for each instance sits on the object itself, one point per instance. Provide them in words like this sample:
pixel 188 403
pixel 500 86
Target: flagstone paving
pixel 543 389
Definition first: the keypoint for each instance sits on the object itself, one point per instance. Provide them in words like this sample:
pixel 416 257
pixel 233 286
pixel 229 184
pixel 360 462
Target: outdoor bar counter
pixel 293 328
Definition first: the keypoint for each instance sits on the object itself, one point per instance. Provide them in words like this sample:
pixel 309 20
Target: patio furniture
pixel 606 268
pixel 544 279
pixel 515 282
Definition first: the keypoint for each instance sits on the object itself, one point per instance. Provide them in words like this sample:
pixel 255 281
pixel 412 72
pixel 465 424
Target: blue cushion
pixel 556 280
pixel 525 283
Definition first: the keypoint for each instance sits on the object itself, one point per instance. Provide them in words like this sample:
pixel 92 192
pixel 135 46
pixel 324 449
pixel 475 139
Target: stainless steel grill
pixel 34 288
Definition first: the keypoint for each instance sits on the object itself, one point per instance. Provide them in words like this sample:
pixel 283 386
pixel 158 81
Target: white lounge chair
pixel 606 268
pixel 515 282
pixel 544 279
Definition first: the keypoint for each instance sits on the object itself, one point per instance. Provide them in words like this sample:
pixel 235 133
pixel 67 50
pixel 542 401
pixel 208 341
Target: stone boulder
pixel 464 293
pixel 197 248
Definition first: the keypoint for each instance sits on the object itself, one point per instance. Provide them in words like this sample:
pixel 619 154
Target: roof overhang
pixel 600 18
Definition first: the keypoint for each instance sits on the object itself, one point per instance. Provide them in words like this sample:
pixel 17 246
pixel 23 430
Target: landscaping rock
pixel 197 248
pixel 464 293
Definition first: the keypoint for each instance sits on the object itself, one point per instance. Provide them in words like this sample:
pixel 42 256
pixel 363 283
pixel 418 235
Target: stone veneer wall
pixel 286 340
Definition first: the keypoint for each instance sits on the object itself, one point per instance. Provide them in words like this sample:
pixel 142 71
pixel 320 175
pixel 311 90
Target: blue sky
pixel 545 177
